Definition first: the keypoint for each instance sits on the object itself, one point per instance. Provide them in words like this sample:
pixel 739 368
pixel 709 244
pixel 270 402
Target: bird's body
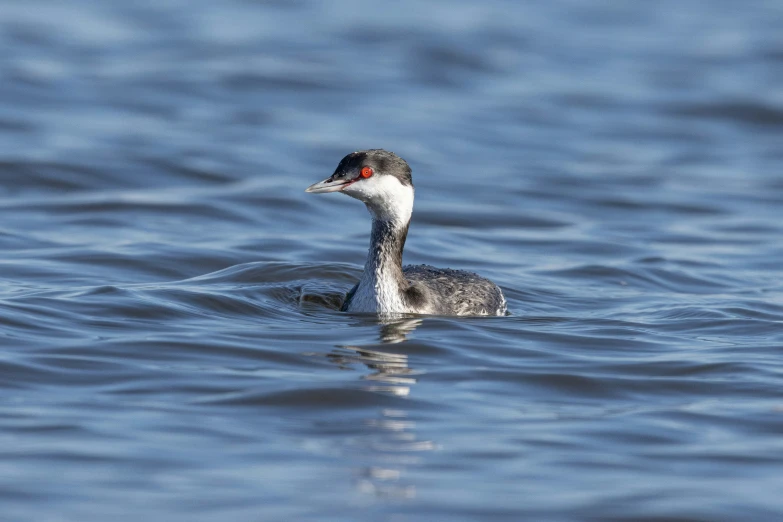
pixel 434 291
pixel 382 180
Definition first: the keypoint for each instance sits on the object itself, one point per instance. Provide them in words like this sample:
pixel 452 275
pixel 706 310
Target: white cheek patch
pixel 386 198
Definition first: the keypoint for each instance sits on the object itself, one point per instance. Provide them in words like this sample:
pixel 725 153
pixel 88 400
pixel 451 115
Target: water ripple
pixel 171 342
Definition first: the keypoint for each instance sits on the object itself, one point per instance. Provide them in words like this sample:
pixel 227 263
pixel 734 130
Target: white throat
pixel 382 284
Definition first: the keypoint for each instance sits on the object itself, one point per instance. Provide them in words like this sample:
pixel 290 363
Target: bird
pixel 382 181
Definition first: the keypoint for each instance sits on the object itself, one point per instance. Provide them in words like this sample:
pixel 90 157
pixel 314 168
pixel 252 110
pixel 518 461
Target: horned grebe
pixel 382 181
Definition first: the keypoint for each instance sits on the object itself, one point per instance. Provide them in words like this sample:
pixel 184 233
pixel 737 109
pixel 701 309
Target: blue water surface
pixel 170 345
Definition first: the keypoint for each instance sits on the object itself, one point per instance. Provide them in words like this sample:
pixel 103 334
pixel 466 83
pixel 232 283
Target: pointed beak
pixel 327 185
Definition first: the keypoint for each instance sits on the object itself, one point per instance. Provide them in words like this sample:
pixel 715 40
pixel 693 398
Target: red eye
pixel 366 172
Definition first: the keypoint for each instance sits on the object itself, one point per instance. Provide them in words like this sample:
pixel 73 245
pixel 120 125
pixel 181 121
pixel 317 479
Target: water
pixel 171 348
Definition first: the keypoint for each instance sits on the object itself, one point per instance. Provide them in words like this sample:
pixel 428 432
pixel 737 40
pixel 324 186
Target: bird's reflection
pixel 393 442
pixel 391 373
pixel 397 331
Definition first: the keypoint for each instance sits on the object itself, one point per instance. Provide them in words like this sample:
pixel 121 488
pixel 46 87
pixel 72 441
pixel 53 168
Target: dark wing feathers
pixel 456 292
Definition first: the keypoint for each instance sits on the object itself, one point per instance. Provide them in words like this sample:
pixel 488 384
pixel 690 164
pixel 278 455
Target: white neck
pixel 382 283
pixel 390 204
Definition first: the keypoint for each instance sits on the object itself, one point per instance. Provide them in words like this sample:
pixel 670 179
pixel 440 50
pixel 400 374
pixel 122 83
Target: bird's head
pixel 379 178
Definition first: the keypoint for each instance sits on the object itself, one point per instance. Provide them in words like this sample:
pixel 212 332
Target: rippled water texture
pixel 170 345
